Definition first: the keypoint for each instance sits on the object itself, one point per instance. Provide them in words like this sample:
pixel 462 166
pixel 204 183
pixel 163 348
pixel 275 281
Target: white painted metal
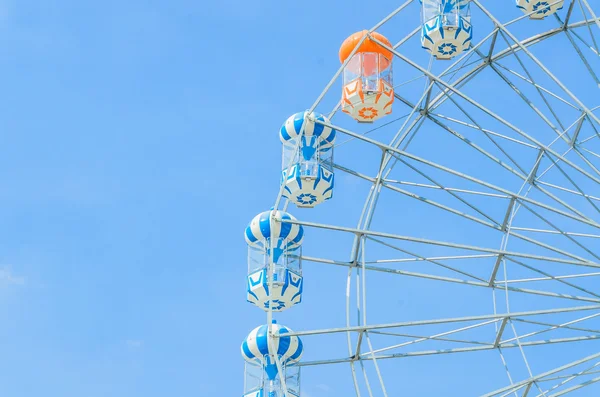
pixel 567 210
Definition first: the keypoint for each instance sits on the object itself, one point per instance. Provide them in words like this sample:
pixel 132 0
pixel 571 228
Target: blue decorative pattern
pixel 308 191
pixel 447 48
pixel 285 293
pixel 306 198
pixel 276 303
pixel 539 9
pixel 542 7
pixel 446 40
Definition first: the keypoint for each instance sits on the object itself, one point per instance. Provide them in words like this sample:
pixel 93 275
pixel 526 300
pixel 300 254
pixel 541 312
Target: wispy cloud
pixel 7 277
pixel 134 343
pixel 323 390
pixel 323 387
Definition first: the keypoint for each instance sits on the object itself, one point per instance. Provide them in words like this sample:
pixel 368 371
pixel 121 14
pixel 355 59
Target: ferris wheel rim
pixel 369 206
pixel 374 191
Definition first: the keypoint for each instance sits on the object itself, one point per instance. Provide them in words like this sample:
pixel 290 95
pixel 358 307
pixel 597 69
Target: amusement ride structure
pixel 479 143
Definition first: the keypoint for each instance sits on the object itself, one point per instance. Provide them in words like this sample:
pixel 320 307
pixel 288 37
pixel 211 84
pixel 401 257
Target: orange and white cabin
pixel 368 91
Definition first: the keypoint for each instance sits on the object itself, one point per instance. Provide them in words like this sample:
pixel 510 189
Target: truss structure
pixel 488 181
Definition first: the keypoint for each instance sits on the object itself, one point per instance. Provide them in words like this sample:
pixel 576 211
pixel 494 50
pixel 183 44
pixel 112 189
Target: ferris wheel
pixel 460 143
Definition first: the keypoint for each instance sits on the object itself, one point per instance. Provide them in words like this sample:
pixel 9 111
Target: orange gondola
pixel 368 91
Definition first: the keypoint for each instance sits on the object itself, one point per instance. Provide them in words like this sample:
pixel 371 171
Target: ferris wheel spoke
pixel 404 154
pixel 406 129
pixel 590 152
pixel 547 91
pixel 564 134
pixel 436 258
pixel 456 350
pixel 433 277
pixel 574 388
pixel 568 276
pixel 494 58
pixel 536 61
pixel 532 180
pixel 462 63
pixel 462 80
pixel 568 16
pixel 371 233
pixel 591 10
pixel 551 277
pixel 451 193
pixel 476 147
pixel 539 91
pixel 503 121
pixel 568 378
pixel 437 337
pixel 557 229
pixel 585 159
pixel 541 377
pixel 575 185
pixel 526 229
pixel 484 130
pixel 589 26
pixel 492 45
pixel 450 73
pixel 457 190
pixel 585 43
pixel 446 94
pixel 405 324
pixel 554 163
pixel 433 261
pixel 552 327
pixel 374 129
pixel 561 377
pixel 494 224
pixel 582 56
pixel 494 159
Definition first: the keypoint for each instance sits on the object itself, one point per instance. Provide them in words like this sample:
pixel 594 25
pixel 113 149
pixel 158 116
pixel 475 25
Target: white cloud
pixel 7 277
pixel 134 343
pixel 323 387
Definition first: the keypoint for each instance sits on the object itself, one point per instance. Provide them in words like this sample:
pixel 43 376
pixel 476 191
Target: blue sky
pixel 138 140
pixel 135 137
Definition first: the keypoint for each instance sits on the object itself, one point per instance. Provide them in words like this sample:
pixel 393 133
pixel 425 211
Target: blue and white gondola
pixel 258 353
pixel 447 29
pixel 540 9
pixel 310 180
pixel 267 238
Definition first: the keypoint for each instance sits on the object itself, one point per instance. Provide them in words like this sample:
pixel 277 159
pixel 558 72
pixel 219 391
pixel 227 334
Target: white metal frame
pixel 503 44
